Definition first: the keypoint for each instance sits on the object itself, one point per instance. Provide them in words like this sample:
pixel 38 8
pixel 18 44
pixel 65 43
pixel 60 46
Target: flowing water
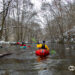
pixel 25 62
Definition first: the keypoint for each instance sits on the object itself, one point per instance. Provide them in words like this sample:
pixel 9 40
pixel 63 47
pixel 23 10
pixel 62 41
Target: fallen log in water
pixel 5 54
pixel 0 46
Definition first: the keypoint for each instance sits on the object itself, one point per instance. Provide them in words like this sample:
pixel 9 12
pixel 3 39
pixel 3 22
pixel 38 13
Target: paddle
pixel 33 39
pixel 53 52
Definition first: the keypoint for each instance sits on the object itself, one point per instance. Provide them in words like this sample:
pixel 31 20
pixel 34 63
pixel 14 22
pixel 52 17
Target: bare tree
pixel 5 12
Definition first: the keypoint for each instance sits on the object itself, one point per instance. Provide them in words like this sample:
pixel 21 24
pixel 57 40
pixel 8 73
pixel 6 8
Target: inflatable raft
pixel 42 52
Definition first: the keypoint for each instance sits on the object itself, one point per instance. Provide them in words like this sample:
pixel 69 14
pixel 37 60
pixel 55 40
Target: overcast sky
pixel 38 4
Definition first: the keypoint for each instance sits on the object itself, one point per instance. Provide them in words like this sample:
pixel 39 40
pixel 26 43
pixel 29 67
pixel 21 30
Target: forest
pixel 50 21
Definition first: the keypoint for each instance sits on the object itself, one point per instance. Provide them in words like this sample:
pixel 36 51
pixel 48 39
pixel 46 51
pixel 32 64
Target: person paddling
pixel 23 44
pixel 43 50
pixel 42 46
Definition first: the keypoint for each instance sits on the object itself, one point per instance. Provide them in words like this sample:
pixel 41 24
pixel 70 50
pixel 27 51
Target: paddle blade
pixel 34 40
pixel 53 52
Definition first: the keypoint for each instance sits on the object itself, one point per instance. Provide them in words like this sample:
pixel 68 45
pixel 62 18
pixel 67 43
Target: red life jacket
pixel 24 45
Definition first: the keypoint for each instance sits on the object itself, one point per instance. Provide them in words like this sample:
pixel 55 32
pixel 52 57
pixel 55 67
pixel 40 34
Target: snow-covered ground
pixel 3 42
pixel 71 30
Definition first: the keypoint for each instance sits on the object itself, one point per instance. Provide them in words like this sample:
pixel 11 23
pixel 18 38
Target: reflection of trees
pixel 63 50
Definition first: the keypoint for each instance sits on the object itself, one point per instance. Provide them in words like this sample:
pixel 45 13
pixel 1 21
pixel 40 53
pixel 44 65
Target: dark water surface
pixel 25 62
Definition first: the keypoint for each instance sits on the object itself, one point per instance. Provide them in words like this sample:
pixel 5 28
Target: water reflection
pixel 42 66
pixel 40 59
pixel 52 66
